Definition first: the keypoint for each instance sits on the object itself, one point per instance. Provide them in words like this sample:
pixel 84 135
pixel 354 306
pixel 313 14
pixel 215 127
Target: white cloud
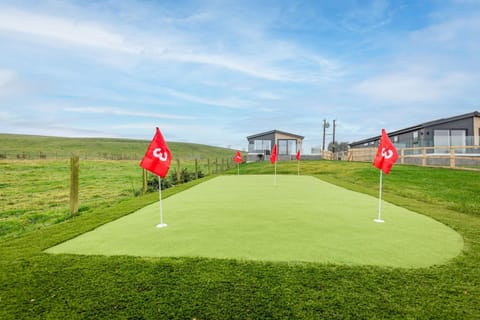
pixel 11 85
pixel 196 133
pixel 431 65
pixel 123 112
pixel 6 117
pixel 367 17
pixel 66 31
pixel 6 77
pixel 262 58
pixel 231 103
pixel 412 87
pixel 455 30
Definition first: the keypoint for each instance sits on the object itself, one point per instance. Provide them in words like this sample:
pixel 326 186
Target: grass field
pixel 35 193
pixel 248 218
pixel 36 285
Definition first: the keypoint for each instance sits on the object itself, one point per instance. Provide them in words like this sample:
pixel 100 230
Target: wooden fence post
pixel 208 163
pixel 74 170
pixel 178 172
pixel 424 157
pixel 145 186
pixel 452 157
pixel 216 165
pixel 223 165
pixel 402 156
pixel 196 168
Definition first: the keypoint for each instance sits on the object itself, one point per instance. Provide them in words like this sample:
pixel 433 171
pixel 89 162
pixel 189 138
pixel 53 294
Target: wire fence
pixel 37 193
pixel 58 155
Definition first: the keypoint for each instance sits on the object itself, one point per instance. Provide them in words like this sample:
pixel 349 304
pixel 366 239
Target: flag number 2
pixel 162 156
pixel 388 154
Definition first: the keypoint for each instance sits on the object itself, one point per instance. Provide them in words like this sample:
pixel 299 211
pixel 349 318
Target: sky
pixel 215 72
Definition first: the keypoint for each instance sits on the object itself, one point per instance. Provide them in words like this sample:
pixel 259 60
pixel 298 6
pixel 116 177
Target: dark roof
pixel 274 131
pixel 420 126
pixel 459 117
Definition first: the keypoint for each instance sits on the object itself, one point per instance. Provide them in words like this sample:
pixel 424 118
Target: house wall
pixel 463 124
pixel 259 155
pixel 458 124
pixel 424 137
pixel 281 136
pixel 251 142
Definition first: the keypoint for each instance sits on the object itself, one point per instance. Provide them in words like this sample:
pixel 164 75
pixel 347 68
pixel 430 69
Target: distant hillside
pixel 14 146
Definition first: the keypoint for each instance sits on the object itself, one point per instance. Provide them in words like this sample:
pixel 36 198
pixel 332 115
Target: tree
pixel 342 146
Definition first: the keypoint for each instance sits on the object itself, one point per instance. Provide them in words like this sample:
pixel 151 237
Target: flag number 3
pixel 388 154
pixel 162 156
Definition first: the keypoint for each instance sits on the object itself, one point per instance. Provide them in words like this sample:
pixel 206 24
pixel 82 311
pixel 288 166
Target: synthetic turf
pixel 301 219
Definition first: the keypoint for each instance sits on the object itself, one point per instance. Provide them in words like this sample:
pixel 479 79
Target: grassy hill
pixel 35 193
pixel 13 146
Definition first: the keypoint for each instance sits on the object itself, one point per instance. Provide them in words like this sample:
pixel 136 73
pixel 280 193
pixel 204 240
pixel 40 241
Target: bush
pixel 171 180
pixel 152 183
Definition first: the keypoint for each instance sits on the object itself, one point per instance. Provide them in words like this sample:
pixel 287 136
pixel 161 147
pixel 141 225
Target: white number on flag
pixel 162 156
pixel 388 154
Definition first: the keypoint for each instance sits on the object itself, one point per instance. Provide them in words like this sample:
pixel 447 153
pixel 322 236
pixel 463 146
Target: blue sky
pixel 214 72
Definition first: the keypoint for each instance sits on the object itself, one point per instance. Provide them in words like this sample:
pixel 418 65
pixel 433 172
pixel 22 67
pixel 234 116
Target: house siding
pixel 274 137
pixel 423 135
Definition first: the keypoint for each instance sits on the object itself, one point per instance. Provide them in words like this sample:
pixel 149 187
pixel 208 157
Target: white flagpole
pixel 275 175
pixel 298 165
pixel 238 169
pixel 379 218
pixel 161 224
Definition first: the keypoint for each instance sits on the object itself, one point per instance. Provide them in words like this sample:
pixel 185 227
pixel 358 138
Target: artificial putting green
pixel 301 219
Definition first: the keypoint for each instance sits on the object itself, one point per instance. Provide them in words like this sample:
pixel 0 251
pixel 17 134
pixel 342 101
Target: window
pixel 260 146
pixel 287 146
pixel 447 138
pixel 458 138
pixel 282 147
pixel 415 137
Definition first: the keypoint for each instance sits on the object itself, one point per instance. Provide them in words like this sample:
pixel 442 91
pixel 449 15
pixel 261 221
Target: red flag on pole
pixel 386 154
pixel 158 156
pixel 238 157
pixel 274 155
pixel 298 155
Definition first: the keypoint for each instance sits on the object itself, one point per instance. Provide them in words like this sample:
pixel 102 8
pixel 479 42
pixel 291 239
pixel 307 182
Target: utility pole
pixel 333 142
pixel 325 126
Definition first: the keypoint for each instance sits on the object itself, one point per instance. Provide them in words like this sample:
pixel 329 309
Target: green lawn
pixel 299 219
pixel 37 285
pixel 36 193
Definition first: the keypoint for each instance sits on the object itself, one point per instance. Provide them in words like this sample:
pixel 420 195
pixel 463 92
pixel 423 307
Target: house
pixel 261 144
pixel 462 130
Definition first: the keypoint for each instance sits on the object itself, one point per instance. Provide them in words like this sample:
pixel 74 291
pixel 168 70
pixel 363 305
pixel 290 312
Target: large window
pixel 261 146
pixel 447 138
pixel 287 147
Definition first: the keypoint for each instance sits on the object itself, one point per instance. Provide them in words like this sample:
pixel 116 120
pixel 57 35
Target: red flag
pixel 238 157
pixel 386 154
pixel 158 156
pixel 274 155
pixel 298 155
